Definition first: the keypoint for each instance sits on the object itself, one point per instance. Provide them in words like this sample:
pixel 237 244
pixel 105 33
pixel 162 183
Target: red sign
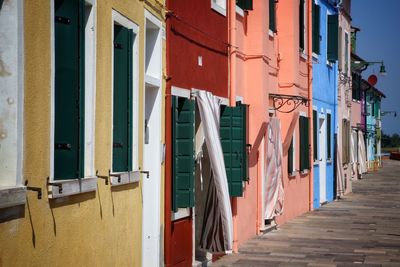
pixel 372 79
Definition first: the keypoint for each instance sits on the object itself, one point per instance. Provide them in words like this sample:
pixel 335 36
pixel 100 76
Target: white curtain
pixel 217 232
pixel 353 153
pixel 362 155
pixel 274 194
pixel 339 172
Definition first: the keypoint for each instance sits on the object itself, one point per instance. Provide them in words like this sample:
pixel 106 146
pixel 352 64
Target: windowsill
pixel 271 33
pixel 302 54
pixel 316 162
pixel 239 11
pixel 12 196
pixel 328 63
pixel 357 101
pixel 121 178
pixel 293 174
pixel 180 214
pixel 72 187
pixel 329 161
pixel 304 171
pixel 218 8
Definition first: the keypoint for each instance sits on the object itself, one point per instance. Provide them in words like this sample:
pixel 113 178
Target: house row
pixel 168 133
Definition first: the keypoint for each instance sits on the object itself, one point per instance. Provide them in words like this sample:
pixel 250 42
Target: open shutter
pixel 272 15
pixel 328 135
pixel 333 33
pixel 301 24
pixel 315 135
pixel 183 152
pixel 304 143
pixel 69 89
pixel 290 158
pixel 316 28
pixel 122 106
pixel 245 4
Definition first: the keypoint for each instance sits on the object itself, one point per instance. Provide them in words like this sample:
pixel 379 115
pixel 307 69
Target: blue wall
pixel 324 99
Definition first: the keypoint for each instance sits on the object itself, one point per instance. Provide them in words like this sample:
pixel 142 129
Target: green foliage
pixel 390 140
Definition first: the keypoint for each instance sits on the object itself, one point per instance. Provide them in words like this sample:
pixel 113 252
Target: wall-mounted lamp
pixel 383 113
pixel 365 64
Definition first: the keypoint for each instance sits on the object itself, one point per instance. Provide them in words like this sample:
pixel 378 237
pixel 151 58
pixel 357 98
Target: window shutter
pixel 272 15
pixel 328 135
pixel 333 29
pixel 340 51
pixel 183 152
pixel 245 4
pixel 316 28
pixel 122 106
pixel 301 24
pixel 315 135
pixel 69 90
pixel 290 158
pixel 304 143
pixel 232 133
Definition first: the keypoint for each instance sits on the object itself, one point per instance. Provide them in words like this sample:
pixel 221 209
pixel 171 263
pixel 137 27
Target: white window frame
pixel 88 183
pixel 219 6
pixel 134 175
pixel 12 191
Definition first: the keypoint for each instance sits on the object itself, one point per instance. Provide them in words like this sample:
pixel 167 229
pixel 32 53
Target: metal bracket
pixel 291 101
pixel 147 173
pixel 116 175
pixel 36 189
pixel 103 176
pixel 59 185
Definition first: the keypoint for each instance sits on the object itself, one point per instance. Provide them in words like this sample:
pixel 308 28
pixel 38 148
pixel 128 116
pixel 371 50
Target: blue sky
pixel 379 39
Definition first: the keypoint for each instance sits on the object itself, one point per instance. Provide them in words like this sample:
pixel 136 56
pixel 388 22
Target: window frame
pixel 328 136
pixel 215 5
pixel 272 30
pixel 307 148
pixel 293 155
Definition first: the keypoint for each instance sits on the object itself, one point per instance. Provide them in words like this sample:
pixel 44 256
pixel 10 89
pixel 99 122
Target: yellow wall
pixel 101 228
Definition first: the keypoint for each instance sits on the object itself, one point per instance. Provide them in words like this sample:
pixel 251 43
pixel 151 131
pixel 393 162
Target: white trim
pixel 328 111
pixel 181 213
pixel 239 11
pixel 181 92
pixel 239 99
pixel 217 7
pixel 72 187
pixel 302 114
pixel 303 54
pixel 271 33
pixel 120 19
pixel 121 178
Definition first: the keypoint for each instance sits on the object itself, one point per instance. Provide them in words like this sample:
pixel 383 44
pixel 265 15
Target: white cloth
pixel 274 194
pixel 339 173
pixel 217 233
pixel 362 155
pixel 353 153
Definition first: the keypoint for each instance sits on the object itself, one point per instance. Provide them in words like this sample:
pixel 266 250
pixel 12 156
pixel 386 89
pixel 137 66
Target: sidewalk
pixel 361 229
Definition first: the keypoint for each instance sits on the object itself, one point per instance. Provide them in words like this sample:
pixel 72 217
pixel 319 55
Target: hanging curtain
pixel 362 155
pixel 353 153
pixel 217 228
pixel 274 194
pixel 339 172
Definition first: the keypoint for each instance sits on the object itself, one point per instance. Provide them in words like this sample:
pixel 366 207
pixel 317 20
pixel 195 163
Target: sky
pixel 379 39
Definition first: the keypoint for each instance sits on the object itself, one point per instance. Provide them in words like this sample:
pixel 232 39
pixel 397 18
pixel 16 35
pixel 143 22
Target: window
pixel 346 53
pixel 315 135
pixel 245 4
pixel 328 136
pixel 272 15
pixel 340 51
pixel 333 34
pixel 346 141
pixel 11 104
pixel 316 28
pixel 219 6
pixel 292 156
pixel 302 25
pixel 183 152
pixel 356 86
pixel 304 143
pixel 233 134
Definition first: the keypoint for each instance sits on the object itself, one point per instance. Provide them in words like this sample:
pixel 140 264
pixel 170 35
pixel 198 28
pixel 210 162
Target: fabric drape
pixel 362 155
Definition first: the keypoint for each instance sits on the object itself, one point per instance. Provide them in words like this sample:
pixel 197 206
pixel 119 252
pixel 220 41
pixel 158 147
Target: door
pixel 322 160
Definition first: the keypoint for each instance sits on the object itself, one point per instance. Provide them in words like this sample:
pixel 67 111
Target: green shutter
pixel 315 135
pixel 304 143
pixel 316 28
pixel 183 152
pixel 301 24
pixel 122 106
pixel 272 15
pixel 290 158
pixel 328 134
pixel 245 4
pixel 233 140
pixel 333 33
pixel 69 89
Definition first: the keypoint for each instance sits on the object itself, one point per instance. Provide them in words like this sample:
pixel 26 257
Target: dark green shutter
pixel 333 33
pixel 290 158
pixel 301 24
pixel 122 106
pixel 245 4
pixel 233 141
pixel 328 134
pixel 272 15
pixel 304 143
pixel 316 28
pixel 69 89
pixel 183 152
pixel 315 135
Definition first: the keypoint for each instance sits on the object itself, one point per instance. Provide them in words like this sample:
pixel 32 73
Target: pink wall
pixel 355 113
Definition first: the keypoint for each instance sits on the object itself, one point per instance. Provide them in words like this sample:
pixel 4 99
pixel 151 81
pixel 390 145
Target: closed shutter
pixel 69 89
pixel 333 33
pixel 290 158
pixel 340 51
pixel 233 141
pixel 304 143
pixel 315 135
pixel 301 24
pixel 328 135
pixel 183 152
pixel 122 106
pixel 316 28
pixel 272 15
pixel 245 4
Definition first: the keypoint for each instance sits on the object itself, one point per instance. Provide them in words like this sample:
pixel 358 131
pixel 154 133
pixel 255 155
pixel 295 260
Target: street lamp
pixel 383 113
pixel 382 70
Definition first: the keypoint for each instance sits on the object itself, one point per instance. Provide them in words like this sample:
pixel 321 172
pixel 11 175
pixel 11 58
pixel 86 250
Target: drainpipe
pixel 232 96
pixel 310 107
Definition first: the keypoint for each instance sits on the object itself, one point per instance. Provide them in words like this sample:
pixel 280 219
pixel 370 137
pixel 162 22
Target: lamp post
pixel 366 64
